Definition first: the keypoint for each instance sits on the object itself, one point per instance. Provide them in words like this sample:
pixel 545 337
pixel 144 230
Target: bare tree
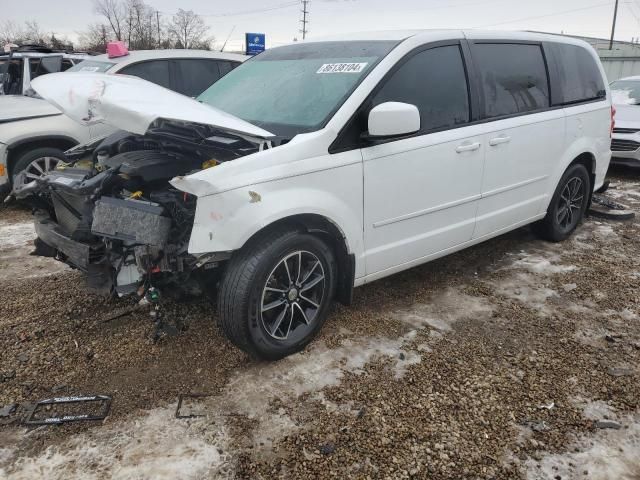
pixel 114 13
pixel 95 38
pixel 188 30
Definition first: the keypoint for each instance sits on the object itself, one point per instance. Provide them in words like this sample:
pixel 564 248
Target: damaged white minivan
pixel 320 166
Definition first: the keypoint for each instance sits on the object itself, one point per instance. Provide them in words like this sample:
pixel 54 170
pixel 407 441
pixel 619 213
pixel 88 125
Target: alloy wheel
pixel 570 204
pixel 293 295
pixel 39 168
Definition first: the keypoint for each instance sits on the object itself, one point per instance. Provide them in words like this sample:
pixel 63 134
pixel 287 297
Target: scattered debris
pixel 604 207
pixel 102 401
pixel 327 448
pixel 547 407
pixel 603 424
pixel 620 372
pixel 181 398
pixel 8 410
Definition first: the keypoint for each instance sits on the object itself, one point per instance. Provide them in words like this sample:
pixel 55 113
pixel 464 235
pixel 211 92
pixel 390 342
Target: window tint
pixel 197 75
pixel 579 77
pixel 156 71
pixel 513 78
pixel 434 81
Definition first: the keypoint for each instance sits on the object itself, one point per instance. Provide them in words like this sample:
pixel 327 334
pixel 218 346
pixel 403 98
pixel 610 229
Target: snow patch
pixel 156 446
pixel 609 454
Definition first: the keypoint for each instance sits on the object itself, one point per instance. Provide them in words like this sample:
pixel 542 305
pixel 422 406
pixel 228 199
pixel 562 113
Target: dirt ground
pixel 515 359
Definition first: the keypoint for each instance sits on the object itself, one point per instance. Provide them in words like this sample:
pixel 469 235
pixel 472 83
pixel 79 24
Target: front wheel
pixel 567 206
pixel 276 293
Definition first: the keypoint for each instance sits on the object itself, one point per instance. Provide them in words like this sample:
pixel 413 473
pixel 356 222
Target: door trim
pixel 427 211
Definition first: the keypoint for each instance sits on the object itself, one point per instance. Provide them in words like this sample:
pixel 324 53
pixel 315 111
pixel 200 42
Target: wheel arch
pixel 587 159
pixel 329 231
pixel 16 149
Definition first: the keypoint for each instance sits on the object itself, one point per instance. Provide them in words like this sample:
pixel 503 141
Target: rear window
pixel 91 66
pixel 513 78
pixel 579 78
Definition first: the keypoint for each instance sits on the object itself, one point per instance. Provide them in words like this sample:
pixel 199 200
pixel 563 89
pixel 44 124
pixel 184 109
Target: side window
pixel 44 65
pixel 226 67
pixel 434 81
pixel 513 78
pixel 579 77
pixel 156 71
pixel 197 75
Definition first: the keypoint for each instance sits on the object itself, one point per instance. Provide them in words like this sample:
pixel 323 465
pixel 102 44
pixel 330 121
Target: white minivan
pixel 321 166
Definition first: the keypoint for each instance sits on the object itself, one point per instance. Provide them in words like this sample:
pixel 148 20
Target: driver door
pixel 421 193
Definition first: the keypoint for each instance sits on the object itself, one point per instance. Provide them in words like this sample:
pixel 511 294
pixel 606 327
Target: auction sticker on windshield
pixel 342 68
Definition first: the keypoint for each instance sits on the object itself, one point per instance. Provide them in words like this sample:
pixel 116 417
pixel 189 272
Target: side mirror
pixel 393 119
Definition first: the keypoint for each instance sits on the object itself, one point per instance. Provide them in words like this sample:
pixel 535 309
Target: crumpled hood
pixel 18 107
pixel 130 103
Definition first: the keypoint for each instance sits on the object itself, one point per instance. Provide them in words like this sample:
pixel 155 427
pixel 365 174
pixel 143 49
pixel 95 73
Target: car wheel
pixel 568 205
pixel 36 163
pixel 276 293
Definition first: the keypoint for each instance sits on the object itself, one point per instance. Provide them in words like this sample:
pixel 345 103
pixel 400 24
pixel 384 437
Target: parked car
pixel 321 166
pixel 23 64
pixel 35 134
pixel 625 144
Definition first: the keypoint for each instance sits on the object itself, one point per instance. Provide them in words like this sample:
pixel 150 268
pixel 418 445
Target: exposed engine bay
pixel 111 212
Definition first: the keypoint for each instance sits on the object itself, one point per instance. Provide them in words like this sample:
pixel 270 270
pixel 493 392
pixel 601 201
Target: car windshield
pixel 94 66
pixel 626 92
pixel 297 88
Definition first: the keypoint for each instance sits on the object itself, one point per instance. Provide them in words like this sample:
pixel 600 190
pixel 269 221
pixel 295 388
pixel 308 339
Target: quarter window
pixel 513 78
pixel 433 80
pixel 578 74
pixel 156 71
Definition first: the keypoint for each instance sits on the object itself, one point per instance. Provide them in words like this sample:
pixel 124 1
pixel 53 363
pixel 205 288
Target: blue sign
pixel 255 43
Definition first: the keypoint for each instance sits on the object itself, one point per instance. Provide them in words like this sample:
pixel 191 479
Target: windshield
pixel 93 66
pixel 297 88
pixel 626 92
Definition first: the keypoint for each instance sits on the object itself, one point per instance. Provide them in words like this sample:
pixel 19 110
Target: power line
pixel 304 21
pixel 598 5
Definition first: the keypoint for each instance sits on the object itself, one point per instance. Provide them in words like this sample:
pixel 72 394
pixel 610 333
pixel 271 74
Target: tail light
pixel 613 120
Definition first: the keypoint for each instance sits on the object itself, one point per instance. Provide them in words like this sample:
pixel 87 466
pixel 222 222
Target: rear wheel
pixel 276 294
pixel 567 206
pixel 36 164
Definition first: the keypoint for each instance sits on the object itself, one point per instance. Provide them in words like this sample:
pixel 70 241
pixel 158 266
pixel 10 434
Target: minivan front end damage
pixel 111 212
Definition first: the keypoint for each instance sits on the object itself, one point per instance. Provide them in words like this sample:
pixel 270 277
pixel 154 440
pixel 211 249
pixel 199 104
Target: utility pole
pixel 305 15
pixel 613 27
pixel 158 22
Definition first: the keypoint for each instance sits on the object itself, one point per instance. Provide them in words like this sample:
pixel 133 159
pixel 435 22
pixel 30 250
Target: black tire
pixel 558 225
pixel 29 157
pixel 243 293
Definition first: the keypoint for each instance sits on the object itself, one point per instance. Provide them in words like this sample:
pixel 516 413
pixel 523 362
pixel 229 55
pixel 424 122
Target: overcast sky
pixel 279 19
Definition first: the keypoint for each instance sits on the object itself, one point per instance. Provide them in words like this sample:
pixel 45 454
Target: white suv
pixel 34 134
pixel 337 163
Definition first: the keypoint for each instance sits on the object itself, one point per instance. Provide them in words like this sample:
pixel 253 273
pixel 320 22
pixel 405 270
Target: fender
pixel 225 221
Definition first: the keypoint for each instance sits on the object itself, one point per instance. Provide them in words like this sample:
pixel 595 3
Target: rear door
pixel 421 192
pixel 525 136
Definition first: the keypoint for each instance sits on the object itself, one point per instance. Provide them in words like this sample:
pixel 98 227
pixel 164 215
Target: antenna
pixel 225 42
pixel 305 16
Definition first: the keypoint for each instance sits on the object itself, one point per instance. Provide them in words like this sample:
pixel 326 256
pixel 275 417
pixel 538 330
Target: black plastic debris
pixel 191 396
pixel 98 409
pixel 604 207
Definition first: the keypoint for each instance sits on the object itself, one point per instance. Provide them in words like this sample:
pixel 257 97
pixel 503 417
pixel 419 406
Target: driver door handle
pixel 470 147
pixel 499 140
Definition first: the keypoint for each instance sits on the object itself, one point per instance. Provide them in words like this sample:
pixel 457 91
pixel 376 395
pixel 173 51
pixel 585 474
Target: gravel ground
pixel 504 361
